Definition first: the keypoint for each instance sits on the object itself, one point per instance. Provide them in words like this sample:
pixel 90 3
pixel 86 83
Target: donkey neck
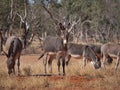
pixel 90 54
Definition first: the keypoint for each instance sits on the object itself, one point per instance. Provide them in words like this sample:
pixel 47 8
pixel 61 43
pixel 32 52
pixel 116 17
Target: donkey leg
pixel 58 63
pixel 45 62
pixel 103 62
pixel 84 62
pixel 117 62
pixel 67 59
pixel 13 67
pixel 9 72
pixel 58 57
pixel 14 70
pixel 63 65
pixel 50 64
pixel 18 64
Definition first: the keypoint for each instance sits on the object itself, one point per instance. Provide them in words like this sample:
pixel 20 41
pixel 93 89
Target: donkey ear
pixel 61 26
pixel 68 26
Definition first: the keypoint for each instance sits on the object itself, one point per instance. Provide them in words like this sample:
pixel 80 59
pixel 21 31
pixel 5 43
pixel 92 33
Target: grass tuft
pixel 27 71
pixel 89 78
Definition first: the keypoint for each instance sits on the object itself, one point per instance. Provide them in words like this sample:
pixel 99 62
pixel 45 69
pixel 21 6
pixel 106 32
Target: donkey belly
pixel 112 55
pixel 17 56
pixel 53 54
pixel 76 56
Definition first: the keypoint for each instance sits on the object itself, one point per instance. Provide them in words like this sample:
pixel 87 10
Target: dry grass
pixel 76 78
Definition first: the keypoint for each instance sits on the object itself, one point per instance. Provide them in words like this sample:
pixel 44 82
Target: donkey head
pixel 95 60
pixel 10 64
pixel 64 34
pixel 96 63
pixel 10 58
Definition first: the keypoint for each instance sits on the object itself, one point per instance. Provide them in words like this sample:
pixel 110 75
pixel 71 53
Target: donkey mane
pixel 13 48
pixel 10 51
pixel 89 53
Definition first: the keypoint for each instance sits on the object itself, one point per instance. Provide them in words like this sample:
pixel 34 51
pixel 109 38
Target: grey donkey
pixel 112 50
pixel 82 51
pixel 55 46
pixel 13 49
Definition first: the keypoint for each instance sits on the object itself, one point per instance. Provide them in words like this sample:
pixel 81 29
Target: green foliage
pixel 4 12
pixel 104 14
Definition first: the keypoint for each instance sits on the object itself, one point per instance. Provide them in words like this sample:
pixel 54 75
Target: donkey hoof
pixel 63 74
pixel 18 74
pixel 59 74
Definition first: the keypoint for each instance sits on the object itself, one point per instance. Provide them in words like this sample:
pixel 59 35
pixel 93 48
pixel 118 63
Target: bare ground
pixel 32 77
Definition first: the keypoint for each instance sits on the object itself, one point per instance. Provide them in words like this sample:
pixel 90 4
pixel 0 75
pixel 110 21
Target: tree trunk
pixel 1 42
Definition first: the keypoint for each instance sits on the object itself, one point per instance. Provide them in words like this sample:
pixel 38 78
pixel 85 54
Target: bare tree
pixel 1 41
pixel 24 24
pixel 11 19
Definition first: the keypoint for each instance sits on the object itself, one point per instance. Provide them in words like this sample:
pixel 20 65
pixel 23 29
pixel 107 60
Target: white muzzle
pixel 65 41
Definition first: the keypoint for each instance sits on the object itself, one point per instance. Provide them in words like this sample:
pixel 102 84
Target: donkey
pixel 97 50
pixel 82 51
pixel 55 46
pixel 13 49
pixel 112 50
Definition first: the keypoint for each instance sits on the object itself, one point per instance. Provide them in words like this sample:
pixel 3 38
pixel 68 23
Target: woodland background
pixel 99 20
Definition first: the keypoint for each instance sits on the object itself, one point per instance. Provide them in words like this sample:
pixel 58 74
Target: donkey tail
pixel 41 55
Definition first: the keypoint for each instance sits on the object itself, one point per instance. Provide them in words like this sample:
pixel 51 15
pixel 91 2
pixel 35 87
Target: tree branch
pixel 25 5
pixel 51 16
pixel 73 24
pixel 11 12
pixel 21 18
